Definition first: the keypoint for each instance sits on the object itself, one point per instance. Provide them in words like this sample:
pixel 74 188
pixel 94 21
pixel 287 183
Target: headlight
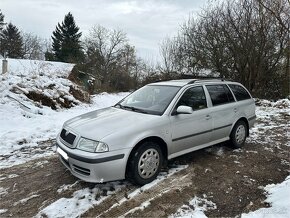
pixel 92 146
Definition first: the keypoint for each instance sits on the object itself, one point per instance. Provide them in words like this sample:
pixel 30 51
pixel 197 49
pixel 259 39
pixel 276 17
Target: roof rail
pixel 192 81
pixel 204 80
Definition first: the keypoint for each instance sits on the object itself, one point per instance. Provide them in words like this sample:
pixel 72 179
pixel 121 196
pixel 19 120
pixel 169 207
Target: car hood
pixel 101 123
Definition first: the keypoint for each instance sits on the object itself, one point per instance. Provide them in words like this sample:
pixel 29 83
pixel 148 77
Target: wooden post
pixel 4 66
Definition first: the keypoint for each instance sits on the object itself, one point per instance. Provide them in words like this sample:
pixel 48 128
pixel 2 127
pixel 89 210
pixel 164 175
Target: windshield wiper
pixel 118 104
pixel 132 108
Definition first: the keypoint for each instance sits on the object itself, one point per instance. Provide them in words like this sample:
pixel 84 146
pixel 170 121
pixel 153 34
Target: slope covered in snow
pixel 33 95
pixel 37 83
pixel 22 131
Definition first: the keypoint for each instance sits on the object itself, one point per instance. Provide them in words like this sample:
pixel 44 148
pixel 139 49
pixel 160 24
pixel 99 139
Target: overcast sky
pixel 146 22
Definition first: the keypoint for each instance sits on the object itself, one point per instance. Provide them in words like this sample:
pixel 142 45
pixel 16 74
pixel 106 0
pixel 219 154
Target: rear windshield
pixel 239 92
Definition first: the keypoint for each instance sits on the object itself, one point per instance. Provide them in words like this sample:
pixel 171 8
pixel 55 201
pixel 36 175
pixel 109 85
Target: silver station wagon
pixel 160 121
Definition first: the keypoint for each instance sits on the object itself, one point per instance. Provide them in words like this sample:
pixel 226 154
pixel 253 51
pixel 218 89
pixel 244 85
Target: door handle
pixel 235 110
pixel 207 117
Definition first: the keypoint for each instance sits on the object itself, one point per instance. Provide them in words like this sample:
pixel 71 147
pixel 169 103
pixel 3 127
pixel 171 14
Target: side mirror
pixel 184 110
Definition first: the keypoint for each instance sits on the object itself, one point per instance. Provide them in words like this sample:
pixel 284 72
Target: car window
pixel 239 92
pixel 194 98
pixel 220 94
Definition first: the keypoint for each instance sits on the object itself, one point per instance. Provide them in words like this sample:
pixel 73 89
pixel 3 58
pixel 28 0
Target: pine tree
pixel 66 44
pixel 1 21
pixel 11 42
pixel 1 28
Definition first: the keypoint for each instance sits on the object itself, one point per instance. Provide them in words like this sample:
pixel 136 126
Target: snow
pixel 208 73
pixel 43 77
pixel 66 187
pixel 28 129
pixel 34 67
pixel 24 200
pixel 195 208
pixel 161 177
pixel 141 207
pixel 80 202
pixel 3 211
pixel 268 111
pixel 21 132
pixel 278 196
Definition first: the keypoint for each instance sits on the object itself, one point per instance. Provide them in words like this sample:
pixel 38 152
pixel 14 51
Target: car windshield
pixel 151 99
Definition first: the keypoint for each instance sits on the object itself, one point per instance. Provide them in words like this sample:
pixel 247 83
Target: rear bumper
pixel 94 167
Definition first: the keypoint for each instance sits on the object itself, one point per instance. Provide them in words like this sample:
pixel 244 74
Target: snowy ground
pixel 172 194
pixel 21 131
pixel 278 195
pixel 217 181
pixel 27 128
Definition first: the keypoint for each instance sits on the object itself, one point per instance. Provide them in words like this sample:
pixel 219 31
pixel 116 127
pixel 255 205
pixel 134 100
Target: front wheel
pixel 239 134
pixel 145 163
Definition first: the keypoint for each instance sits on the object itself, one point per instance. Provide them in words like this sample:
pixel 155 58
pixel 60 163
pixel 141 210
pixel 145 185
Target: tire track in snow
pixel 128 202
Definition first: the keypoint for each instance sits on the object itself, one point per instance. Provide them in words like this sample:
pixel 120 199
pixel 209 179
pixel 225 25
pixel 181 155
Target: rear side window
pixel 239 92
pixel 220 94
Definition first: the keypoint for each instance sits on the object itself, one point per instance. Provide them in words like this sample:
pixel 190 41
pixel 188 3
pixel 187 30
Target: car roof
pixel 183 82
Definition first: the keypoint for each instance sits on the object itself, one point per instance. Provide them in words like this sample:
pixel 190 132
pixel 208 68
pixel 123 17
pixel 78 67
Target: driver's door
pixel 190 130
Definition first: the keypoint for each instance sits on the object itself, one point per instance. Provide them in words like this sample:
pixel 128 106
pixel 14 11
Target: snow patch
pixel 40 164
pixel 66 187
pixel 196 208
pixel 160 178
pixel 80 202
pixel 141 207
pixel 22 138
pixel 3 211
pixel 278 198
pixel 24 200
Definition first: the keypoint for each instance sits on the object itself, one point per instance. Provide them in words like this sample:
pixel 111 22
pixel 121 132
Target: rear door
pixel 223 110
pixel 190 130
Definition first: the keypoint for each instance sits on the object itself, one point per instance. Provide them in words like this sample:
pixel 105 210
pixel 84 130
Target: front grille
pixel 81 170
pixel 67 136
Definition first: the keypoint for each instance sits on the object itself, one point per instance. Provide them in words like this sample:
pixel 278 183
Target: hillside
pixel 35 99
pixel 36 83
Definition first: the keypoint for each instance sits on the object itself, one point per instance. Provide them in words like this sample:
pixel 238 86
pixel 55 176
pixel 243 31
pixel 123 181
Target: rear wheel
pixel 239 134
pixel 145 163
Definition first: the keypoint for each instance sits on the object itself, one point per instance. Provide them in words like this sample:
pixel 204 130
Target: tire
pixel 239 134
pixel 145 163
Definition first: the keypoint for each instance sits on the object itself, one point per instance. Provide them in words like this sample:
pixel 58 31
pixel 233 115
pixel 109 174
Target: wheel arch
pixel 162 144
pixel 246 122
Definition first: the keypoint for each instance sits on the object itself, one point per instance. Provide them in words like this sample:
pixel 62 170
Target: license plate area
pixel 62 153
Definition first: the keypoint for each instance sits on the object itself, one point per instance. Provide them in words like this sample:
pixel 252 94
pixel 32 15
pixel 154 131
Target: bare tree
pixel 242 40
pixel 167 51
pixel 110 57
pixel 33 46
pixel 280 9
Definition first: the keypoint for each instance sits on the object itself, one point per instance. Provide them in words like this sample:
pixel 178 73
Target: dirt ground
pixel 232 179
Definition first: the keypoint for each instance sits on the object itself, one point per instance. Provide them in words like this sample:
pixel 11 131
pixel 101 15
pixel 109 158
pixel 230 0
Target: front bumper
pixel 94 167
